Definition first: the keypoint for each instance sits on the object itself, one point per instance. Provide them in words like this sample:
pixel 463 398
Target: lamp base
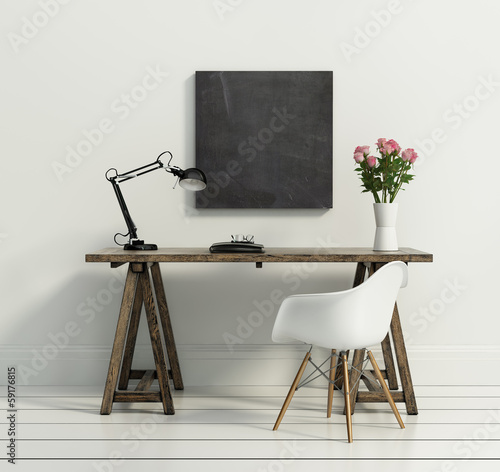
pixel 138 245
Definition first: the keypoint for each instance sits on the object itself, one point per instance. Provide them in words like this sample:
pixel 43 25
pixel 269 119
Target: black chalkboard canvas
pixel 264 139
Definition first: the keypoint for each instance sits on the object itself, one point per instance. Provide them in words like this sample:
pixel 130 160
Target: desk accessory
pixel 384 178
pixel 190 179
pixel 236 247
pixel 239 243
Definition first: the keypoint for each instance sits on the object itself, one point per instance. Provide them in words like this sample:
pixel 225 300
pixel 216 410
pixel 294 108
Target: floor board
pixel 230 429
pixel 227 402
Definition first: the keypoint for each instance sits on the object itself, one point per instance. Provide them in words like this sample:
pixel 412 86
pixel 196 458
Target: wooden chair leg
pixel 386 390
pixel 347 401
pixel 331 387
pixel 288 398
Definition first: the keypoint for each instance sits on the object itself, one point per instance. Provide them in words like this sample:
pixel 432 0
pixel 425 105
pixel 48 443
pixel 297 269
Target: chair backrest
pixel 350 319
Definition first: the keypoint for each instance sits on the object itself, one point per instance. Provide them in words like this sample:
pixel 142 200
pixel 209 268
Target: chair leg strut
pixel 288 398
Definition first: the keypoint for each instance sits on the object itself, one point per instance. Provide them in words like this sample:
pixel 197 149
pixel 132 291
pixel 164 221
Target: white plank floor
pixel 230 429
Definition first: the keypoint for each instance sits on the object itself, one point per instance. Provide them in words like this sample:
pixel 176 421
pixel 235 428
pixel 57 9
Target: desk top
pixel 118 256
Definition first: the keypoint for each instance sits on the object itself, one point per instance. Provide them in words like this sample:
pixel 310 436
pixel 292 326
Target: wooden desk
pixel 138 291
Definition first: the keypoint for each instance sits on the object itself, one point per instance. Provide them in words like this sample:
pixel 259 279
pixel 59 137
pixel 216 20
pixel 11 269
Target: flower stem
pixel 403 171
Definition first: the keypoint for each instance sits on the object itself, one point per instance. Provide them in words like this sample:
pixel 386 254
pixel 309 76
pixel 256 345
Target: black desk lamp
pixel 190 179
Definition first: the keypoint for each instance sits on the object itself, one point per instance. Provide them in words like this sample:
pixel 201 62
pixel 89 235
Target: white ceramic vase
pixel 385 220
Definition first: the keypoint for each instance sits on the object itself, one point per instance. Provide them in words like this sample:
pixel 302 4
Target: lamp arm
pixel 132 229
pixel 158 164
pixel 115 178
pixel 131 174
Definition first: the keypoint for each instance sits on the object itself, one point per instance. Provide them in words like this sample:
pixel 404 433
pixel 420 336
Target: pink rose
pixel 359 157
pixel 363 149
pixel 371 161
pixel 380 143
pixel 409 155
pixel 391 146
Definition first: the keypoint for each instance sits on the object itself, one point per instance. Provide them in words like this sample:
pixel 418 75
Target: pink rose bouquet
pixel 385 176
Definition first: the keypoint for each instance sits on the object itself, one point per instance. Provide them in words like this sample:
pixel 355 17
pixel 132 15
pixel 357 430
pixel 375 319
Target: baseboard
pixel 242 365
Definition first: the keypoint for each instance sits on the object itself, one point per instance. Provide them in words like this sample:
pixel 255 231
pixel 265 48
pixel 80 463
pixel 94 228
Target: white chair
pixel 341 321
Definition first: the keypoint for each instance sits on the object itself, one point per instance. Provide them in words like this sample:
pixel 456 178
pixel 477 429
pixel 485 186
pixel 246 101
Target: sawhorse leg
pixel 407 394
pixel 138 292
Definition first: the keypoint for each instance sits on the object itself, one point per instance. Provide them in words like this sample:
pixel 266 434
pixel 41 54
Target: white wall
pixel 412 71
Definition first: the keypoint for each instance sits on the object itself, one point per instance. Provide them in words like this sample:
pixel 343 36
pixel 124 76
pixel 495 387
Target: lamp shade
pixel 193 179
